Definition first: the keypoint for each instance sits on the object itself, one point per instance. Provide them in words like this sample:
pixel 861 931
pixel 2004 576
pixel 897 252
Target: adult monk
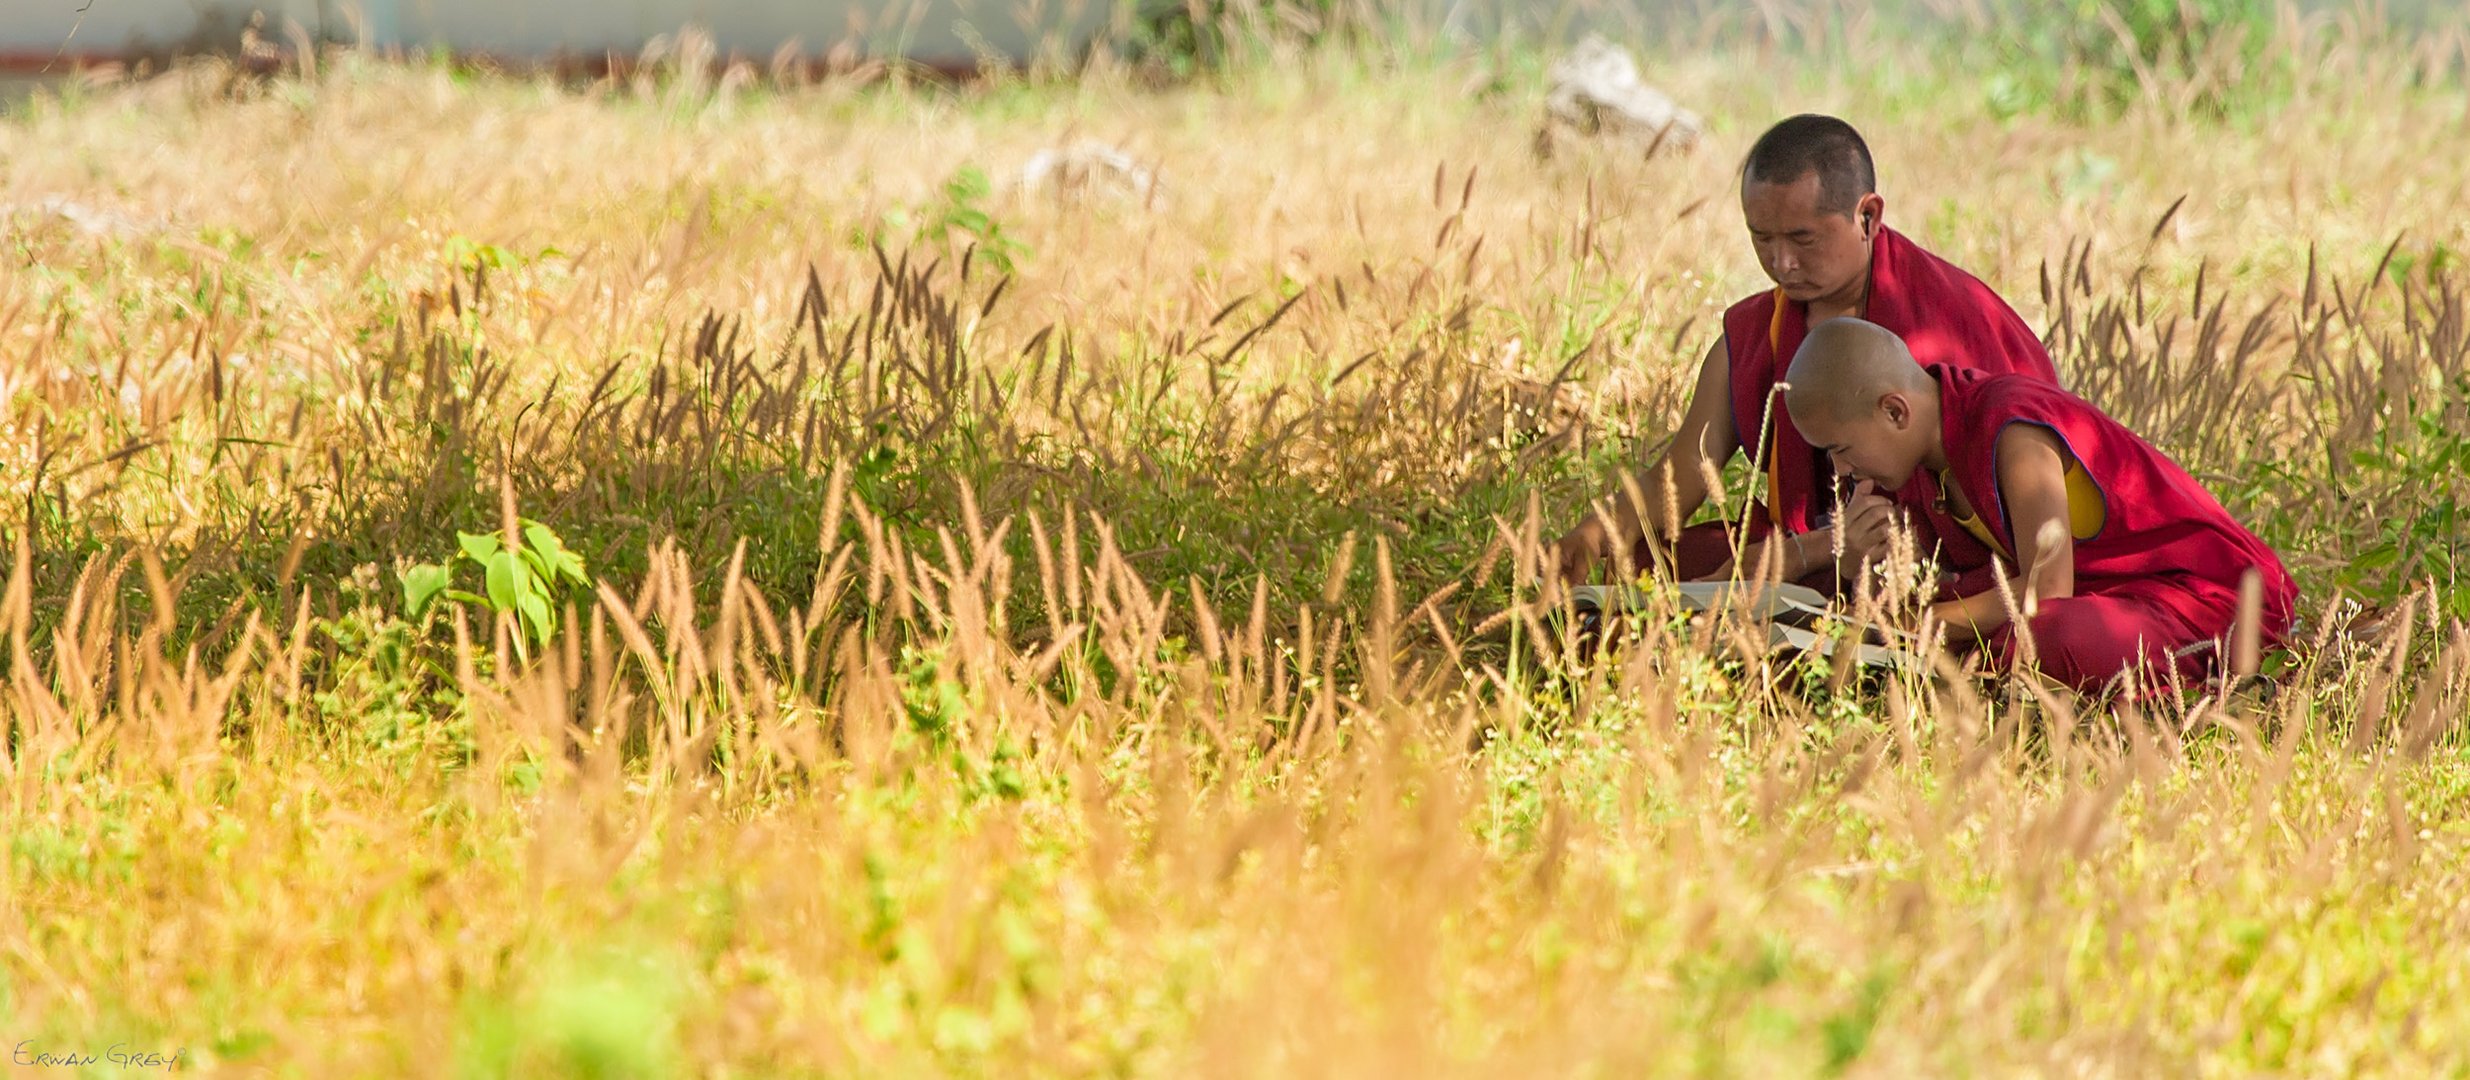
pixel 2120 560
pixel 1810 196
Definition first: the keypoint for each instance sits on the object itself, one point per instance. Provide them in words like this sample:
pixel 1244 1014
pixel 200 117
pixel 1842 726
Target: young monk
pixel 2128 561
pixel 1809 195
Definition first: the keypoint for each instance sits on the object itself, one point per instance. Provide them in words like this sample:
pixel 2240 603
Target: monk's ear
pixel 1869 213
pixel 1898 411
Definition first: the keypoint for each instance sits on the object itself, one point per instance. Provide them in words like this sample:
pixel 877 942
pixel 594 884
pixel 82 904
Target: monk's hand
pixel 1576 553
pixel 1867 521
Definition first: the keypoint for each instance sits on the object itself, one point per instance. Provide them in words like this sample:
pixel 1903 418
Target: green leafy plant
pixel 529 580
pixel 2415 468
pixel 963 211
pixel 1187 37
pixel 938 705
pixel 464 254
pixel 389 686
pixel 2087 58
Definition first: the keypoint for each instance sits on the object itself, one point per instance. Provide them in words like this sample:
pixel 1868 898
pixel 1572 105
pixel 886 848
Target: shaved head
pixel 1854 392
pixel 1845 366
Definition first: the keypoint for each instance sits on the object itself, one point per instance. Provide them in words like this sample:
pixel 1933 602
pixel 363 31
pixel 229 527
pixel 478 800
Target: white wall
pixel 925 29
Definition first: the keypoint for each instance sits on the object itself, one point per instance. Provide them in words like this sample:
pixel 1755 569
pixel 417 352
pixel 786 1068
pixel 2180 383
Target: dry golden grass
pixel 1097 670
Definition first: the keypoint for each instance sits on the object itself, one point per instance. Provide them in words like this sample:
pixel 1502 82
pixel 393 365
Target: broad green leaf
pixel 421 584
pixel 2377 557
pixel 508 580
pixel 541 538
pixel 536 614
pixel 968 185
pixel 556 559
pixel 479 545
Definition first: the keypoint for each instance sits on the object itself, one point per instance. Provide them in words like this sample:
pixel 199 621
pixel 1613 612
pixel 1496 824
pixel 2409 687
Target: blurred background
pixel 45 38
pixel 1027 516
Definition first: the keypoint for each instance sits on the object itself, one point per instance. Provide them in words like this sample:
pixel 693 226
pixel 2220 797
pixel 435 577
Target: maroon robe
pixel 2160 576
pixel 1944 315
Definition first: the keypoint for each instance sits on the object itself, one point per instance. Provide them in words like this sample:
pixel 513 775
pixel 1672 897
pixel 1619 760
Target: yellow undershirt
pixel 2085 511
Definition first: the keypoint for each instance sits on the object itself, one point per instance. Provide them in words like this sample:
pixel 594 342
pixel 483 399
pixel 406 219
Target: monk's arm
pixel 1675 484
pixel 1688 462
pixel 1797 556
pixel 2032 482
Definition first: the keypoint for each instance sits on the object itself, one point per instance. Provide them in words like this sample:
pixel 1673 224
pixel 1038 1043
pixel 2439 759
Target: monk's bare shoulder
pixel 2030 454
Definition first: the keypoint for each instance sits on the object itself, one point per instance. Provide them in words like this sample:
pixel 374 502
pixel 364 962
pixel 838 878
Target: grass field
pixel 1026 632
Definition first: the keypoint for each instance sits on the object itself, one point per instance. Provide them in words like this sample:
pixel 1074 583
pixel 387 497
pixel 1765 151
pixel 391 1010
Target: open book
pixel 1797 617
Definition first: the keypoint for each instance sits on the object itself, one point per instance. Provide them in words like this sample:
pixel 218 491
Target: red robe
pixel 2165 547
pixel 1944 315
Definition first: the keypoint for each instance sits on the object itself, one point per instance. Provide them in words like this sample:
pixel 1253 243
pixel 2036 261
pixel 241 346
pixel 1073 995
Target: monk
pixel 1809 195
pixel 2121 560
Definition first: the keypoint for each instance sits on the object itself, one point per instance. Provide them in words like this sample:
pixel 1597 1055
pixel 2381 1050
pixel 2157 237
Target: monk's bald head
pixel 1845 366
pixel 1854 392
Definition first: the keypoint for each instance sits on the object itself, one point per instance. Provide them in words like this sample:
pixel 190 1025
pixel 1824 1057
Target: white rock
pixel 1595 90
pixel 91 220
pixel 1084 168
